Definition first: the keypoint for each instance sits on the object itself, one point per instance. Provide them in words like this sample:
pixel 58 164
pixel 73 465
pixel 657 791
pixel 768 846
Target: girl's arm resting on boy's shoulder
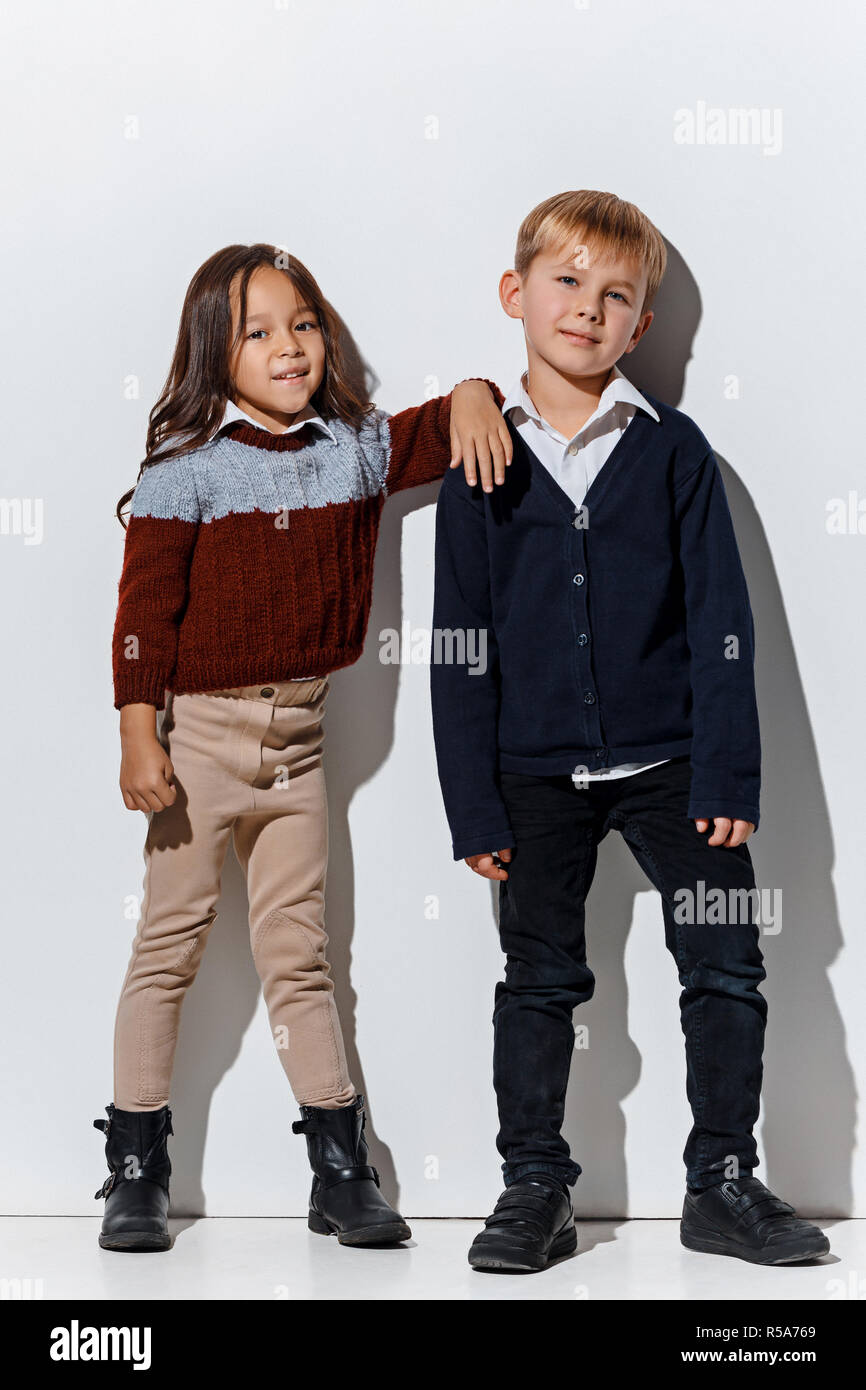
pixel 421 443
pixel 479 435
pixel 726 743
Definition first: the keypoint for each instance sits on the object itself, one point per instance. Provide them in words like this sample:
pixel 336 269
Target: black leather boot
pixel 136 1189
pixel 742 1217
pixel 345 1199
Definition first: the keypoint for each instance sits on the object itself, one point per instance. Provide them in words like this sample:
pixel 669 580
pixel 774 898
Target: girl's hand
pixel 145 771
pixel 479 432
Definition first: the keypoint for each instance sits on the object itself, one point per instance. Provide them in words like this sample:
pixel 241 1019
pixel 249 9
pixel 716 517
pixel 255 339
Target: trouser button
pixel 268 691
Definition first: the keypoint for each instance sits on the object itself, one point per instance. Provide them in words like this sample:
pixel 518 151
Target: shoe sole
pixel 779 1255
pixel 135 1240
pixel 388 1233
pixel 509 1259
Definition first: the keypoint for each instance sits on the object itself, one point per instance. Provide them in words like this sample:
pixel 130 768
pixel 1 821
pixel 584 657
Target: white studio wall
pixel 395 148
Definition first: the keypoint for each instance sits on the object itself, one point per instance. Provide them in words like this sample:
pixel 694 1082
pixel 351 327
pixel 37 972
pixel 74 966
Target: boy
pixel 604 586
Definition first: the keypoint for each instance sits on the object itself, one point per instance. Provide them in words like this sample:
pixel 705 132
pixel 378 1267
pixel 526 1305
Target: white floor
pixel 233 1258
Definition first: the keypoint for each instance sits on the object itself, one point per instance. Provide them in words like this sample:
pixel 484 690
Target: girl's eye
pixel 619 296
pixel 568 277
pixel 305 323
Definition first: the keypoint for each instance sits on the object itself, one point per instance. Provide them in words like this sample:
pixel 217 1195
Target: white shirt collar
pixel 308 415
pixel 619 388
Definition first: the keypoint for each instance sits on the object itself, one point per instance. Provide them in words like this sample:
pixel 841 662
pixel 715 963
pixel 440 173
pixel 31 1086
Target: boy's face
pixel 579 315
pixel 280 361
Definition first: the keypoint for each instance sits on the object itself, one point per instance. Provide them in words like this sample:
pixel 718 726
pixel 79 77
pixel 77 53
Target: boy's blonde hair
pixel 603 223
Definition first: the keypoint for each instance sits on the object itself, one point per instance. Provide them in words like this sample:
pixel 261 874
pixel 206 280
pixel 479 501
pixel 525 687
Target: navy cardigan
pixel 620 631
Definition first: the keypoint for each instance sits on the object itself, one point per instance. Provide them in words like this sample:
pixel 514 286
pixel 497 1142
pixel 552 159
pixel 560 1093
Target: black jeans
pixel 557 828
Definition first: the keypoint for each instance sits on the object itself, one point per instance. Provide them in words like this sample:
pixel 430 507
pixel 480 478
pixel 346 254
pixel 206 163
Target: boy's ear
pixel 510 291
pixel 641 328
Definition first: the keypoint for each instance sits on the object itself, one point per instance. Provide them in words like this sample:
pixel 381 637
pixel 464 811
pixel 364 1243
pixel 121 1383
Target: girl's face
pixel 280 360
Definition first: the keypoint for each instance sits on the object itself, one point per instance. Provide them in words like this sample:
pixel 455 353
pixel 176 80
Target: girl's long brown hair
pixel 199 381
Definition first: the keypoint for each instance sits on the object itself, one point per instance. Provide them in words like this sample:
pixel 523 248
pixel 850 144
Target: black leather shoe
pixel 136 1189
pixel 742 1217
pixel 532 1224
pixel 345 1199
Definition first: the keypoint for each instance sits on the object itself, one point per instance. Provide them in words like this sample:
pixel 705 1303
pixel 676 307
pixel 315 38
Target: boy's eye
pixel 574 282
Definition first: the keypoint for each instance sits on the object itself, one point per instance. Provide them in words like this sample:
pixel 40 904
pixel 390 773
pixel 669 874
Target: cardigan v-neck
pixel 626 451
pixel 575 460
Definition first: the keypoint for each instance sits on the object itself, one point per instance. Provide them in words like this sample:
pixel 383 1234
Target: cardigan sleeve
pixel 726 744
pixel 154 582
pixel 416 442
pixel 466 692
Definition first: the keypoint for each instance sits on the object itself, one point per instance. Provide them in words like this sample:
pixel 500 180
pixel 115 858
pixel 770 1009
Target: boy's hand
pixel 727 833
pixel 145 769
pixel 483 863
pixel 479 431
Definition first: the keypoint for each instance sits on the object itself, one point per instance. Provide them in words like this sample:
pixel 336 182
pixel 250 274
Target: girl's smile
pixel 292 376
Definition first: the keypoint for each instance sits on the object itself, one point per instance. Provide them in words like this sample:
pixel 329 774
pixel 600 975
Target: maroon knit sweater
pixel 250 559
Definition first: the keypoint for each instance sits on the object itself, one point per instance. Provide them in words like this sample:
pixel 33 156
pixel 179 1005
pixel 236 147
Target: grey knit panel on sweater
pixel 226 476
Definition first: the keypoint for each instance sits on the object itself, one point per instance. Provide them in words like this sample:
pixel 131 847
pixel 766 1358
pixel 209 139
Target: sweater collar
pixel 618 389
pixel 249 431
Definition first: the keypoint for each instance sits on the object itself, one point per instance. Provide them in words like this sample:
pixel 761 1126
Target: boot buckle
pixel 107 1185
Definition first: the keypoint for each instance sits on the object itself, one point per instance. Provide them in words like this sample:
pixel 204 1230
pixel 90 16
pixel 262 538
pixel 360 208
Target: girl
pixel 247 579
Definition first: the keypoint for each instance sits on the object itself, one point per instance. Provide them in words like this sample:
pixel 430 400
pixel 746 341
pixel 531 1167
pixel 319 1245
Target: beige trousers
pixel 247 763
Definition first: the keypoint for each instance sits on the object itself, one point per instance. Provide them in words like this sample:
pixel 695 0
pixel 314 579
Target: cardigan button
pixel 582 640
pixel 589 698
pixel 578 579
pixel 268 691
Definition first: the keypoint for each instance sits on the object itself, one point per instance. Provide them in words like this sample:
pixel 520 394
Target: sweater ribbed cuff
pixel 497 394
pixel 133 687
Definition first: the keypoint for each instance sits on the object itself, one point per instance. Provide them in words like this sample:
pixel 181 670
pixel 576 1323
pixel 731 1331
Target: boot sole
pixel 387 1233
pixel 135 1240
pixel 519 1261
pixel 809 1249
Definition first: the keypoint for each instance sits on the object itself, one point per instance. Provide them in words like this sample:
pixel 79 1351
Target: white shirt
pixel 309 415
pixel 575 463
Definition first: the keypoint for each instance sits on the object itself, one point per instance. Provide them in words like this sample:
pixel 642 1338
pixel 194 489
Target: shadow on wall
pixel 808 1107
